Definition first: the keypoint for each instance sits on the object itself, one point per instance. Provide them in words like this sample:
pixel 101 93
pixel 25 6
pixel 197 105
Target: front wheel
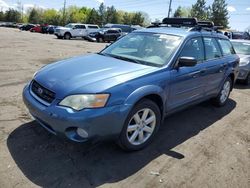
pixel 67 36
pixel 140 126
pixel 223 96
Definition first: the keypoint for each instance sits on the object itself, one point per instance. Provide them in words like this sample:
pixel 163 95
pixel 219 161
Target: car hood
pixel 244 58
pixel 88 74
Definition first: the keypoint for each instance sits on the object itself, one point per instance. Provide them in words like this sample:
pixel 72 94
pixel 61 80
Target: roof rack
pixel 192 23
pixel 188 22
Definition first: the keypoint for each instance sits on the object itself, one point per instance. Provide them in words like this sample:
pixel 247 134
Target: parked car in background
pixel 26 27
pixel 240 35
pixel 125 28
pixel 125 91
pixel 51 29
pixel 242 48
pixel 74 30
pixel 105 35
pixel 37 29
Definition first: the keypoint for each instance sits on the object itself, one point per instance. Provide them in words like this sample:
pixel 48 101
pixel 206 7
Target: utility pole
pixel 64 12
pixel 169 8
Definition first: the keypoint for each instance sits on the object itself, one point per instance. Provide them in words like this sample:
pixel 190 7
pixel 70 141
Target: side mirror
pixel 186 62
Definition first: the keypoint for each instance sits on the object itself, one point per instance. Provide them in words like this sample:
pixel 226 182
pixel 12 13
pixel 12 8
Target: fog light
pixel 82 133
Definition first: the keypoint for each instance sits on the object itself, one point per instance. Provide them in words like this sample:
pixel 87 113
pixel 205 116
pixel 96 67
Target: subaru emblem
pixel 40 90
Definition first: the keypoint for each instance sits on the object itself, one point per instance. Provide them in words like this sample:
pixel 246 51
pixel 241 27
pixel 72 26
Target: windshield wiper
pixel 128 59
pixel 122 58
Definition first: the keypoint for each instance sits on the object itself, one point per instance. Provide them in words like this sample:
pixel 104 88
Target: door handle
pixel 194 74
pixel 203 71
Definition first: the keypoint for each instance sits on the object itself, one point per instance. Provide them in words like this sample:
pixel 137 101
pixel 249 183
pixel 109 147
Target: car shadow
pixel 240 85
pixel 52 162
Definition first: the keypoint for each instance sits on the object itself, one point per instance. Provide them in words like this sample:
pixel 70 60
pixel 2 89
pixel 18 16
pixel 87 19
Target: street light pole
pixel 169 8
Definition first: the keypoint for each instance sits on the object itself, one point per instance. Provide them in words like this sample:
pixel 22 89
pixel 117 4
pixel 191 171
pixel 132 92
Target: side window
pixel 226 46
pixel 112 31
pixel 212 48
pixel 194 48
pixel 82 27
pixel 92 27
pixel 76 27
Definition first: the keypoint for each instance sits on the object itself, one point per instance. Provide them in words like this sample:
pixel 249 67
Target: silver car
pixel 242 48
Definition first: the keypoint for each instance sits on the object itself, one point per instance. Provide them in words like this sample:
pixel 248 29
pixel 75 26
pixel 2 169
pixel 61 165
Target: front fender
pixel 141 92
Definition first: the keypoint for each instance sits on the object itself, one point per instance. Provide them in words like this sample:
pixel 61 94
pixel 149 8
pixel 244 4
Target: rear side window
pixel 194 48
pixel 212 49
pixel 92 27
pixel 226 46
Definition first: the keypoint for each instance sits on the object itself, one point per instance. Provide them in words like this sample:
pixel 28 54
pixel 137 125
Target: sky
pixel 239 10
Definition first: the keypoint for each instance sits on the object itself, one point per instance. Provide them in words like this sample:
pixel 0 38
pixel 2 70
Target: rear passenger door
pixel 215 66
pixel 187 83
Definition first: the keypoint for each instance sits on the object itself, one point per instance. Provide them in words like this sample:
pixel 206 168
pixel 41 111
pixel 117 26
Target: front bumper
pixel 98 123
pixel 244 71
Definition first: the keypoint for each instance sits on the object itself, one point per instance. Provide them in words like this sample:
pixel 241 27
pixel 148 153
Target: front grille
pixel 41 92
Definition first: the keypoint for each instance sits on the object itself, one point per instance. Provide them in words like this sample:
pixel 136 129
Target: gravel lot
pixel 202 146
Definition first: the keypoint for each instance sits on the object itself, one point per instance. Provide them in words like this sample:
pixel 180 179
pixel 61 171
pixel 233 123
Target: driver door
pixel 187 84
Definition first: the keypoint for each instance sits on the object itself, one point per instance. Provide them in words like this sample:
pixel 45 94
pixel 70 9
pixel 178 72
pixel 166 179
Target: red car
pixel 38 28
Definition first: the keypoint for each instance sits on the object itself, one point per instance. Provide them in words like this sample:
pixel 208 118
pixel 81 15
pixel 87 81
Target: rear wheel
pixel 223 96
pixel 140 126
pixel 67 36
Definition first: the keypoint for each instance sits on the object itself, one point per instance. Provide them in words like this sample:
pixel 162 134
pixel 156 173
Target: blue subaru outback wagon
pixel 125 91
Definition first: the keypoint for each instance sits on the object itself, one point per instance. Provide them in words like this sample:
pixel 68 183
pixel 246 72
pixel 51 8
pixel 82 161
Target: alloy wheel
pixel 141 126
pixel 225 91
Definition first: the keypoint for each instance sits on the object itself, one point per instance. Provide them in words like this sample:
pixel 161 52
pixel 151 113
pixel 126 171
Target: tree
pixel 182 12
pixel 93 17
pixel 219 13
pixel 51 16
pixel 111 15
pixel 34 16
pixel 12 15
pixel 178 12
pixel 199 10
pixel 137 19
pixel 126 18
pixel 102 13
pixel 2 18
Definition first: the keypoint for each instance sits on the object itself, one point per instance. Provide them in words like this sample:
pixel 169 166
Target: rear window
pixel 226 46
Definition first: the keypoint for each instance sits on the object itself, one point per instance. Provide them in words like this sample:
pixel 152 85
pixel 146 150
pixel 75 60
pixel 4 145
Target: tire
pixel 67 36
pixel 99 39
pixel 223 96
pixel 137 133
pixel 247 80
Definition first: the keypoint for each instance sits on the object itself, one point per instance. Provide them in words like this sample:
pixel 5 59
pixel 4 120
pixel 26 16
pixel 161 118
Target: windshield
pixel 69 26
pixel 145 48
pixel 242 47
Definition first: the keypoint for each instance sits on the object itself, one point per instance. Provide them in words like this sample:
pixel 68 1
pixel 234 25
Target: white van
pixel 74 30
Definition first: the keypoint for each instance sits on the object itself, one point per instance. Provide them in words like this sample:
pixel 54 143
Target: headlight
pixel 244 62
pixel 79 102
